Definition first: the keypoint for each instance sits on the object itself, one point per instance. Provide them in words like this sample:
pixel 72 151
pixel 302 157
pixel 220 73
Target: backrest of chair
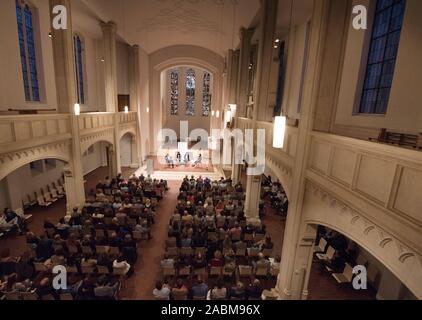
pixel 72 249
pixel 348 272
pixel 66 297
pixel 361 260
pixel 114 251
pixel 186 251
pixel 71 269
pixel 103 270
pixel 173 251
pixel 19 212
pixel 201 250
pixel 248 236
pixel 12 295
pixel 169 271
pixel 259 237
pixel 199 298
pixel 267 252
pixel 330 252
pixel 29 295
pixel 86 250
pixel 261 270
pixel 245 270
pixel 216 270
pixel 40 267
pixel 119 271
pixel 137 235
pixel 322 244
pixel 177 295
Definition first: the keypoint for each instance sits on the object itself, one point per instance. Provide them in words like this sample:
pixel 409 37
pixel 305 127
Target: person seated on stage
pixel 178 157
pixel 198 161
pixel 186 158
pixel 169 161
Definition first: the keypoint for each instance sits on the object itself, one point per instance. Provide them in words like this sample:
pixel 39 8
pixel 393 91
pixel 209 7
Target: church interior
pixel 210 150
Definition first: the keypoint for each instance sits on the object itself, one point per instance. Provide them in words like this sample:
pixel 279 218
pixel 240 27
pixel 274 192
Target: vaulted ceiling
pixel 156 24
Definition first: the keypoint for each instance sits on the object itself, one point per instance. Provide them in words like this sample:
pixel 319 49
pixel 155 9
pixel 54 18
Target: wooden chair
pixel 66 297
pixel 253 252
pixel 42 202
pixel 49 198
pixel 200 272
pixel 346 276
pixel 71 269
pixel 216 271
pixel 267 252
pixel 258 237
pixel 179 295
pixel 114 251
pixel 12 295
pixel 201 250
pixel 245 271
pixel 185 271
pixel 261 271
pixel 102 249
pixel 248 237
pixel 321 245
pixel 173 252
pixel 199 298
pixel 103 270
pixel 120 272
pixel 137 236
pixel 185 251
pixel 29 296
pixel 87 269
pixel 326 256
pixel 87 250
pixel 40 267
pixel 168 271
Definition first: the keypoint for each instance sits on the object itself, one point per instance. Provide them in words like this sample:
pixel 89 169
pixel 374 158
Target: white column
pixel 110 65
pixel 294 254
pixel 253 196
pixel 63 58
pixel 135 84
pixel 242 82
pixel 64 68
pixel 265 57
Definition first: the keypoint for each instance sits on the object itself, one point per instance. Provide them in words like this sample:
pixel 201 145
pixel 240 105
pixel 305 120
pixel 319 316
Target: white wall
pixel 404 109
pixel 94 158
pixel 24 181
pixel 126 150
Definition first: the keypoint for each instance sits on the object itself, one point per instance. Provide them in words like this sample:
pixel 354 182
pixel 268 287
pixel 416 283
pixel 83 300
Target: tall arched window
pixel 174 92
pixel 190 92
pixel 24 18
pixel 79 49
pixel 206 96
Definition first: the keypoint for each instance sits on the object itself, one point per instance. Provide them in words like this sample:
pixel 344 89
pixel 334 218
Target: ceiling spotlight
pixel 102 60
pixel 275 47
pixel 277 40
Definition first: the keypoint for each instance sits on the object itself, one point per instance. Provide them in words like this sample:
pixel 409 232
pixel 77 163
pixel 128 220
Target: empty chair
pixel 321 245
pixel 55 194
pixel 42 202
pixel 248 237
pixel 87 269
pixel 49 198
pixel 253 252
pixel 186 251
pixel 326 256
pixel 32 198
pixel 346 276
pixel 201 250
pixel 173 252
pixel 137 235
pixel 61 190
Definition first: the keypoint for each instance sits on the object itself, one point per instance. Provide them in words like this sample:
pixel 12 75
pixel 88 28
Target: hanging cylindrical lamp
pixel 77 109
pixel 279 132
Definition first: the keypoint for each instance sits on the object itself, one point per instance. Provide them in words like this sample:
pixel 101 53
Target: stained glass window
pixel 190 92
pixel 383 50
pixel 206 96
pixel 79 65
pixel 24 18
pixel 280 83
pixel 174 92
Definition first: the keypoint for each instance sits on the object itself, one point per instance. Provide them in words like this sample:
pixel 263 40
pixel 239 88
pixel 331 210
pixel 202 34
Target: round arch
pixel 322 209
pixel 14 161
pixel 86 145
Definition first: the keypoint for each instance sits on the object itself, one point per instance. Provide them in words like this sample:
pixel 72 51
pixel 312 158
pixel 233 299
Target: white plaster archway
pixel 321 208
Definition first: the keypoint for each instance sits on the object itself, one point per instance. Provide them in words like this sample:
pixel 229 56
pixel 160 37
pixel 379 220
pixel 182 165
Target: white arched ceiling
pixel 156 24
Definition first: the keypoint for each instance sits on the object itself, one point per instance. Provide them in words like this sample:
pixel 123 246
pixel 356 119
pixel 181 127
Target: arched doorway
pixel 129 157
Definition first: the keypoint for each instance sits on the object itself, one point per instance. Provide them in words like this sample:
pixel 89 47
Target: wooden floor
pixel 321 285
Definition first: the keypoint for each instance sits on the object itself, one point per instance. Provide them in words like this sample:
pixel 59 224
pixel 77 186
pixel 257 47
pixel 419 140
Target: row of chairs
pixel 239 252
pixel 243 271
pixel 86 270
pixel 32 296
pixel 46 196
pixel 347 275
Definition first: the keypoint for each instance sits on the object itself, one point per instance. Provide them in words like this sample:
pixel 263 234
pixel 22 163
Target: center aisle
pixel 140 285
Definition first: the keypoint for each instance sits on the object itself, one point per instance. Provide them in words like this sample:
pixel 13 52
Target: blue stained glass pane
pixel 31 54
pixel 382 56
pixel 206 96
pixel 190 92
pixel 19 19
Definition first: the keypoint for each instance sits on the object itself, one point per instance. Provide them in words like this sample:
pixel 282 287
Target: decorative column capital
pixel 109 26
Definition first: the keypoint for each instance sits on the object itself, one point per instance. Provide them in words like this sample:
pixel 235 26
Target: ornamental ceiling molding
pixel 386 241
pixel 182 19
pixel 9 162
